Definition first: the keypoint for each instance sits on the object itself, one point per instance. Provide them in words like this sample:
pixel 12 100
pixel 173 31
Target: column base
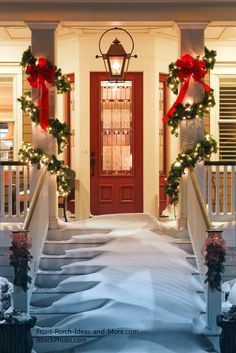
pixel 53 223
pixel 182 222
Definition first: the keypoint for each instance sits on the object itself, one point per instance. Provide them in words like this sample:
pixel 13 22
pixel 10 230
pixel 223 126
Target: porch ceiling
pixel 215 31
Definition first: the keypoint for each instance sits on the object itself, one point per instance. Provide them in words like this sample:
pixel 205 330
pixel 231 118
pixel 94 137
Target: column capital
pixel 192 25
pixel 42 25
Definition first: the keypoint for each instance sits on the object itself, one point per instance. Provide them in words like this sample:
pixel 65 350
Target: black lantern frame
pixel 116 55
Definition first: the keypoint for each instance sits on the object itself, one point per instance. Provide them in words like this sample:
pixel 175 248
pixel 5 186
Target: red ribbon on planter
pixel 39 75
pixel 189 67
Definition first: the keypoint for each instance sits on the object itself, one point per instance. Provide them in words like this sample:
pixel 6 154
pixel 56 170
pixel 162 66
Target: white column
pixel 191 42
pixel 43 45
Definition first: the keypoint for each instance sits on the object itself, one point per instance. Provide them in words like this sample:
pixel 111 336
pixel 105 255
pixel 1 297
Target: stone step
pixel 65 233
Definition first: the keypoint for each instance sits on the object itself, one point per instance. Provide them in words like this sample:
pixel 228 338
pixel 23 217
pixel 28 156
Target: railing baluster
pixel 17 191
pixel 217 190
pixel 9 187
pixel 233 191
pixel 25 172
pixel 2 191
pixel 209 189
pixel 204 184
pixel 225 205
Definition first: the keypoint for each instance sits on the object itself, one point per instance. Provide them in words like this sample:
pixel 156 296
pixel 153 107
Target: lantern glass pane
pixel 116 64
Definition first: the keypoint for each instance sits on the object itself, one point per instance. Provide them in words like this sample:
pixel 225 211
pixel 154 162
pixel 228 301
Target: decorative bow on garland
pixel 182 71
pixel 215 257
pixel 40 74
pixel 188 68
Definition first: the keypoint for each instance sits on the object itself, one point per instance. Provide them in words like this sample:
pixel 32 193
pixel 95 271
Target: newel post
pixel 214 295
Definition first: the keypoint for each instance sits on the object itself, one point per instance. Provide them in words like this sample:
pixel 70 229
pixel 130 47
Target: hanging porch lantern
pixel 116 60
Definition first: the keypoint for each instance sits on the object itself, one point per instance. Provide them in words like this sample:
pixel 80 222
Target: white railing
pixel 14 186
pixel 198 224
pixel 220 195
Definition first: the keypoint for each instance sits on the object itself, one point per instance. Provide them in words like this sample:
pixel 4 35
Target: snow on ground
pixel 142 283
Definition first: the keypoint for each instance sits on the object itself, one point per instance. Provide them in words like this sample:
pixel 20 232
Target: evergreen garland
pixel 35 156
pixel 59 130
pixel 202 150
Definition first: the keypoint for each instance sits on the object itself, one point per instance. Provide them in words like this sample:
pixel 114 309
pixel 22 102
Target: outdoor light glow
pixel 116 67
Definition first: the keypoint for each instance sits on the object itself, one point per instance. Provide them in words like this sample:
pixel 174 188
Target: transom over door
pixel 116 144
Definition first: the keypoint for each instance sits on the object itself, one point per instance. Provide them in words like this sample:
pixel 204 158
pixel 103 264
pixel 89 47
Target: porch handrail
pixel 199 223
pixel 200 199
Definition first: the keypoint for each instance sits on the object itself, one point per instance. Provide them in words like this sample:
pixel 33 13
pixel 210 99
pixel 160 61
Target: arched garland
pixel 181 72
pixel 28 154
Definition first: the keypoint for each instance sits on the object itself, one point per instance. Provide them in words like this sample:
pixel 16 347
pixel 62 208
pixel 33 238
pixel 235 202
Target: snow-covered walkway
pixel 142 297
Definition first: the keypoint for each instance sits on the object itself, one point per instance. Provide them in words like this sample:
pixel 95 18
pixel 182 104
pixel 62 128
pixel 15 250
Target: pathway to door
pixel 132 293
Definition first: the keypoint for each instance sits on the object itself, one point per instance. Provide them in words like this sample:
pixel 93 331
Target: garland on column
pixel 42 73
pixel 181 72
pixel 203 150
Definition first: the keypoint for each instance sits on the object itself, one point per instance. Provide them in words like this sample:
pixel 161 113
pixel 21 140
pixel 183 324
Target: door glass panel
pixel 116 128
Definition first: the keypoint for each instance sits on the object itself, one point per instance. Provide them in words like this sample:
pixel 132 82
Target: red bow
pixel 39 74
pixel 189 67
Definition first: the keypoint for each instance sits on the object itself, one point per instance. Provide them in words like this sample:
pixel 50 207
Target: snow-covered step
pixel 197 276
pixel 52 280
pixel 53 247
pixel 54 262
pixel 185 245
pixel 67 233
pixel 192 260
pixel 48 316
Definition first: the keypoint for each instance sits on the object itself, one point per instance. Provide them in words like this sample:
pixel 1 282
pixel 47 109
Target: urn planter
pixel 228 334
pixel 15 336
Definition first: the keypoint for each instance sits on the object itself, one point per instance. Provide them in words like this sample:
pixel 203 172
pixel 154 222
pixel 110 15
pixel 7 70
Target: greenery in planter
pixel 215 258
pixel 20 258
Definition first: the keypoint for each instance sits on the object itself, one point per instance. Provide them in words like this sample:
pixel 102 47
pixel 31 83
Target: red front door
pixel 116 144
